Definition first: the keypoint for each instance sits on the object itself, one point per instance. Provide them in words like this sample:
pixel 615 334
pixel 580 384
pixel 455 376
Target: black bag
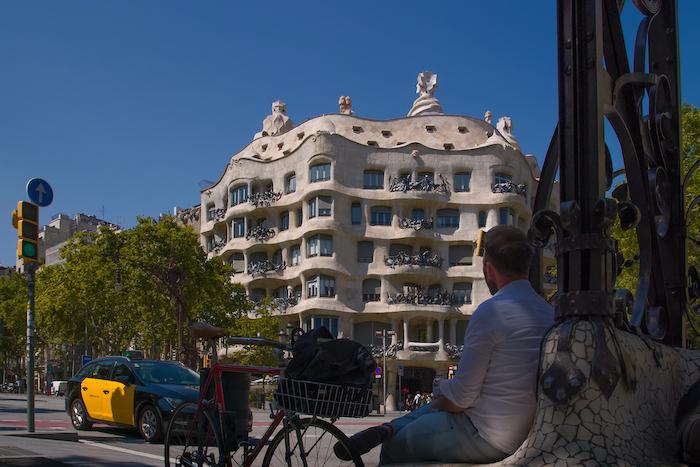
pixel 318 357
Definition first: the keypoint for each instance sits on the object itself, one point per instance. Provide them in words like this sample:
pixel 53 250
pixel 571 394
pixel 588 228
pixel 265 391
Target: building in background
pixel 60 229
pixel 363 225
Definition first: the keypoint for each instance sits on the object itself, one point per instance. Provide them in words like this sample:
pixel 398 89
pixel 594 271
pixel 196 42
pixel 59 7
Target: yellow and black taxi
pixel 130 392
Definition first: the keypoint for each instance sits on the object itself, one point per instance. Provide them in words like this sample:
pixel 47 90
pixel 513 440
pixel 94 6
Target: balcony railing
pixel 443 298
pixel 427 258
pixel 264 199
pixel 217 245
pixel 281 304
pixel 427 184
pixel 260 233
pixel 416 224
pixel 454 351
pixel 377 351
pixel 262 268
pixel 509 187
pixel 215 214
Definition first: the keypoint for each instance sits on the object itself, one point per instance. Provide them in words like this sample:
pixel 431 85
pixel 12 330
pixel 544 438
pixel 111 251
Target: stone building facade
pixel 362 225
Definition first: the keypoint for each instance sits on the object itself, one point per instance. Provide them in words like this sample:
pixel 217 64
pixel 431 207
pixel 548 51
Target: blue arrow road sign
pixel 39 192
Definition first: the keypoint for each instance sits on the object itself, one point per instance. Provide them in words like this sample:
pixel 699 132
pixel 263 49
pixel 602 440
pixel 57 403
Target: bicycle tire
pixel 188 445
pixel 318 437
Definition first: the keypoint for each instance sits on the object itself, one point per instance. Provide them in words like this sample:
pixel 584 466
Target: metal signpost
pixel 384 334
pixel 26 220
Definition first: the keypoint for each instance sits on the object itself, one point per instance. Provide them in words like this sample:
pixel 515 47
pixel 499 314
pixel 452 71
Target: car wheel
pixel 150 424
pixel 78 415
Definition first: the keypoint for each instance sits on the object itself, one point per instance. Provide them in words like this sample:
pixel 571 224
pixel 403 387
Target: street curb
pixel 56 435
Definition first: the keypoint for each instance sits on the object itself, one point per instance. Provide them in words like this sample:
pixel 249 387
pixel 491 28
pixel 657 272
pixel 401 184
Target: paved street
pixel 102 446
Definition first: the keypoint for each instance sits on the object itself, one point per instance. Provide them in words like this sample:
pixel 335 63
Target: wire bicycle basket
pixel 323 400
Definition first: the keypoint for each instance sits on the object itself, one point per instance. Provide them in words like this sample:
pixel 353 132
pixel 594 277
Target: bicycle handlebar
pixel 256 341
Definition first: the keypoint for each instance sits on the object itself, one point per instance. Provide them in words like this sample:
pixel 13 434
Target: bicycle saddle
pixel 207 331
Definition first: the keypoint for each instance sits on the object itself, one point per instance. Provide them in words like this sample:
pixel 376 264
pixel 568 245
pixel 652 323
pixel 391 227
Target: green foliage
pixel 627 240
pixel 13 319
pixel 259 322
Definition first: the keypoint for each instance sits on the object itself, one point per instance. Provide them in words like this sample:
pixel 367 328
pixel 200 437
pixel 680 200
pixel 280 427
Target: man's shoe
pixel 363 442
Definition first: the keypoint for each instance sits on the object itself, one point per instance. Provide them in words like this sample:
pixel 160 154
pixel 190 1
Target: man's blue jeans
pixel 431 435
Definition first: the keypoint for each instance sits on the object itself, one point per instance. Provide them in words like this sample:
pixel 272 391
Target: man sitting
pixel 485 412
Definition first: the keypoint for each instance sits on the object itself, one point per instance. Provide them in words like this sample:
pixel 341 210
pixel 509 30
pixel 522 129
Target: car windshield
pixel 165 373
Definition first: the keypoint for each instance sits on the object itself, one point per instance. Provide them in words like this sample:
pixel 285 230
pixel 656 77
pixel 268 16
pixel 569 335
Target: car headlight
pixel 172 402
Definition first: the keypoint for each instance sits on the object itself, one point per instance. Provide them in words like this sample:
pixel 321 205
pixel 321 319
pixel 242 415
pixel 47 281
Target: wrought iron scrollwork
pixel 425 183
pixel 416 224
pixel 260 233
pixel 509 187
pixel 262 268
pixel 427 258
pixel 217 245
pixel 421 297
pixel 264 199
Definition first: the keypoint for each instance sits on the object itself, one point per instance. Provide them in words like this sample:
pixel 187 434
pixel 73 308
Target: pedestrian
pixel 416 400
pixel 484 413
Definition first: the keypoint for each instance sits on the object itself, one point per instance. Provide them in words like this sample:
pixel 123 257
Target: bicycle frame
pixel 219 401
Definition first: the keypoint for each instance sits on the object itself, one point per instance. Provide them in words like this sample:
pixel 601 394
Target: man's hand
pixel 446 405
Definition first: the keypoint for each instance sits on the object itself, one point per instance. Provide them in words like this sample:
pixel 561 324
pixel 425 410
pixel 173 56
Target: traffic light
pixel 26 220
pixel 480 243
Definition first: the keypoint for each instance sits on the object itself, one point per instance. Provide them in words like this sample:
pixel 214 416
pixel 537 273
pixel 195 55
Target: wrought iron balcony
pixel 416 224
pixel 264 199
pixel 509 187
pixel 427 184
pixel 261 268
pixel 215 214
pixel 378 352
pixel 217 245
pixel 427 258
pixel 443 298
pixel 260 233
pixel 454 351
pixel 281 304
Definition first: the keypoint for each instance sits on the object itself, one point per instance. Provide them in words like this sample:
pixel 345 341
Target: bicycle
pixel 211 431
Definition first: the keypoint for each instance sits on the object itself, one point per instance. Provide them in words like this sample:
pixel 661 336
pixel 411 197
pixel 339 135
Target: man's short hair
pixel 508 249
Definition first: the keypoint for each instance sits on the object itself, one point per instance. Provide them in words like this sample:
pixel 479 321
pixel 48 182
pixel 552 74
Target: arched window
pixel 320 172
pixel 371 290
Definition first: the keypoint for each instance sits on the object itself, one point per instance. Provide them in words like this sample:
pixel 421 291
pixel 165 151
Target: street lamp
pixel 383 334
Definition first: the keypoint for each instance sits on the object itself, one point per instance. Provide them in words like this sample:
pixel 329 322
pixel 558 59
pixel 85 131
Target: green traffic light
pixel 29 250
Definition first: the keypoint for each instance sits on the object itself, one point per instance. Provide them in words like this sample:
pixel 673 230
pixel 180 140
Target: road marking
pixel 124 450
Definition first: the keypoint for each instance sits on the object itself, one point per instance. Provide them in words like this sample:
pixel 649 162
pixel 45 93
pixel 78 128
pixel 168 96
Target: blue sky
pixel 125 105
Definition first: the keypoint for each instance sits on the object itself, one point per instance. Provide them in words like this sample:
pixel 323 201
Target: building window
pixel 448 218
pixel 365 252
pixel 425 175
pixel 257 294
pixel 410 288
pixel 462 180
pixel 319 245
pixel 373 179
pixel 238 227
pixel 396 248
pixel 300 217
pixel 211 212
pixel 380 215
pixel 239 194
pixel 506 216
pixel 281 292
pixel 284 220
pixel 462 293
pixel 297 293
pixel 371 290
pixel 290 183
pixel 356 213
pixel 295 255
pixel 277 257
pixel 418 214
pixel 461 255
pixel 329 322
pixel 482 219
pixel 237 261
pixel 320 172
pixel 320 206
pixel 320 286
pixel 502 178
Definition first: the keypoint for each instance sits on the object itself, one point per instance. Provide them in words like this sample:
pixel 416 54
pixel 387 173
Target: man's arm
pixel 446 405
pixel 480 340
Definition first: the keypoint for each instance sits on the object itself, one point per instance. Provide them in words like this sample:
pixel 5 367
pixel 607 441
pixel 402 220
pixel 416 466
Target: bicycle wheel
pixel 308 442
pixel 192 439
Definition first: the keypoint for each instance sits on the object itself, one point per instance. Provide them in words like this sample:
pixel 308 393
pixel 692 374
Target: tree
pixel 627 240
pixel 13 321
pixel 260 322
